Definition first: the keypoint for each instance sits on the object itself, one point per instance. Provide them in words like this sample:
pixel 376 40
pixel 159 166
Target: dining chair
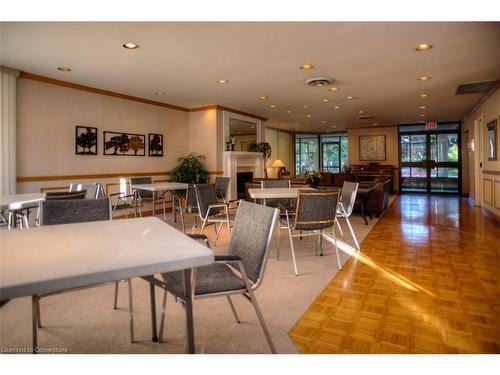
pixel 211 211
pixel 221 187
pixel 346 206
pixel 281 203
pixel 191 206
pixel 143 195
pixel 315 213
pixel 54 212
pixel 93 191
pixel 239 272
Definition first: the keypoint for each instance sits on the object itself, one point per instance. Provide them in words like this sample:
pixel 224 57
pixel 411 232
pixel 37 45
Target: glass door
pixel 331 156
pixel 430 162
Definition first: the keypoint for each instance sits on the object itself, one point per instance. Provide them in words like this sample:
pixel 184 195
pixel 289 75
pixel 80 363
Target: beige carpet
pixel 85 322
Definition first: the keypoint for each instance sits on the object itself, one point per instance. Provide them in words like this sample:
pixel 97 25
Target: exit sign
pixel 429 125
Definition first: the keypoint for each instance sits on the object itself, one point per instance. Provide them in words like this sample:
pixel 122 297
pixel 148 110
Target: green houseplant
pixel 312 178
pixel 190 170
pixel 265 149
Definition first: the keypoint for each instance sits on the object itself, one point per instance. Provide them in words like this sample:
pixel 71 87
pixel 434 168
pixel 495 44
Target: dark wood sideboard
pixel 367 171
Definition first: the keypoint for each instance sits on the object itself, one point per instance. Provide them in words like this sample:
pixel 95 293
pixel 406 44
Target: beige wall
pixel 203 137
pixel 391 142
pixel 490 179
pixel 46 119
pixel 281 145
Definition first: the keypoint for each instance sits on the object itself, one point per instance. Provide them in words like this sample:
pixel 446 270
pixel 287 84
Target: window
pixel 327 153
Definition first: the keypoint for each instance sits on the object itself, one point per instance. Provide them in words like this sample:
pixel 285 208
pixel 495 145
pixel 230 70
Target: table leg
pixel 153 312
pixel 34 321
pixel 154 193
pixel 363 210
pixel 189 293
pixel 14 218
pixel 173 207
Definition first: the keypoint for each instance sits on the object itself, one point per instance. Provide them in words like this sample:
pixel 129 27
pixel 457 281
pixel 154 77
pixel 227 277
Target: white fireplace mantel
pixel 234 160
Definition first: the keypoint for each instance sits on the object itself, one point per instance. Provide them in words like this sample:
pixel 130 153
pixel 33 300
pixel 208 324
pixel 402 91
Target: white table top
pixel 163 186
pixel 268 193
pixel 58 257
pixel 17 201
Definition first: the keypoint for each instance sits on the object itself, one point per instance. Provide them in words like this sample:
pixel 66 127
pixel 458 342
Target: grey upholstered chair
pixel 65 195
pixel 211 211
pixel 221 187
pixel 281 203
pixel 191 206
pixel 240 271
pixel 315 213
pixel 54 212
pixel 345 207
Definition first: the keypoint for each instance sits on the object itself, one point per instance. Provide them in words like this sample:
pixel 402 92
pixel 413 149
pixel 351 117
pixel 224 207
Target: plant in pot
pixel 190 170
pixel 265 149
pixel 312 178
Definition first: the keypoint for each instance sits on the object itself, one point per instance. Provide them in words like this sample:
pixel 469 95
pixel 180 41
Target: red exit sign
pixel 429 125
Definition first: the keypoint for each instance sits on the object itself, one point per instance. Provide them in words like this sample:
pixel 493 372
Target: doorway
pixel 429 160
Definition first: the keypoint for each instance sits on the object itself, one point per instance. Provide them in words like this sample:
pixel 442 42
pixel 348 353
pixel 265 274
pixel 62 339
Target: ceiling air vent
pixel 365 117
pixel 318 82
pixel 475 87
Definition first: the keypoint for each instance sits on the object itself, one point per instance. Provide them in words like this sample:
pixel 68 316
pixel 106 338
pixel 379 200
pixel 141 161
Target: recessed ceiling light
pixel 272 106
pixel 323 121
pixel 238 132
pixel 296 128
pixel 308 115
pixel 422 107
pixel 252 127
pixel 306 106
pixel 375 124
pixel 350 97
pixel 289 111
pixel 333 89
pixel 424 78
pixel 325 100
pixel 361 111
pixel 263 97
pixel 336 107
pixel 423 47
pixel 64 69
pixel 306 66
pixel 334 126
pixel 160 93
pixel 422 115
pixel 222 81
pixel 130 45
pixel 424 95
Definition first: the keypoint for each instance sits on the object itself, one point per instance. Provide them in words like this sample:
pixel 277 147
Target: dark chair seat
pixel 214 278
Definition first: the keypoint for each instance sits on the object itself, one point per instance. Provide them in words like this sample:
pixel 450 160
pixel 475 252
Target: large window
pixel 327 153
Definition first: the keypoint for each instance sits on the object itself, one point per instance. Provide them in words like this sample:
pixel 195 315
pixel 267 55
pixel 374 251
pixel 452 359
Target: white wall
pixel 281 145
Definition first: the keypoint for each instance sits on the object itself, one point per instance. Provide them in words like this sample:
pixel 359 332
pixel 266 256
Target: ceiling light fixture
pixel 422 115
pixel 424 95
pixel 306 66
pixel 160 93
pixel 336 107
pixel 323 121
pixel 263 97
pixel 222 81
pixel 64 69
pixel 423 47
pixel 325 100
pixel 334 126
pixel 361 111
pixel 333 89
pixel 375 124
pixel 350 97
pixel 422 107
pixel 272 106
pixel 308 115
pixel 289 111
pixel 130 45
pixel 306 106
pixel 424 78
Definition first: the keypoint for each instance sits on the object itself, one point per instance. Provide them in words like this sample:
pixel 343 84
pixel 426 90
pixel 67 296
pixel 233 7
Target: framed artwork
pixel 126 144
pixel 492 139
pixel 85 140
pixel 155 142
pixel 372 147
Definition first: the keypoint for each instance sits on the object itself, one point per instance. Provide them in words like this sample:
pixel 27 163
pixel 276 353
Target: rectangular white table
pixel 275 193
pixel 16 202
pixel 163 187
pixel 59 257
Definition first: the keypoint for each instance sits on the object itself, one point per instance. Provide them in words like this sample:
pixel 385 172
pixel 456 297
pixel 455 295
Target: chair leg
pixel 218 232
pixel 38 317
pixel 164 211
pixel 233 309
pixel 182 216
pixel 130 310
pixel 352 232
pixel 337 250
pixel 34 300
pixel 261 320
pixel 291 245
pixel 203 224
pixel 26 220
pixel 278 239
pixel 115 304
pixel 340 228
pixel 163 312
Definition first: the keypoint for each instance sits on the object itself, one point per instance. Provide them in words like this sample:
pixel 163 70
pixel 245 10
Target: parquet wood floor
pixel 426 281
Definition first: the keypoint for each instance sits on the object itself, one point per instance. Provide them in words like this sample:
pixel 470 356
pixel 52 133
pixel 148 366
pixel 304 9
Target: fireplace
pixel 241 178
pixel 236 162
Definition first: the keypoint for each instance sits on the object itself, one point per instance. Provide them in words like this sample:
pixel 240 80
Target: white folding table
pixel 163 187
pixel 16 202
pixel 59 257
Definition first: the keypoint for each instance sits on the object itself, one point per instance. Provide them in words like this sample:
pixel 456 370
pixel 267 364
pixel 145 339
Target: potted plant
pixel 312 178
pixel 190 170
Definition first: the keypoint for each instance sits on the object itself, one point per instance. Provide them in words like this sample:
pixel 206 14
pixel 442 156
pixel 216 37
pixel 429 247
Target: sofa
pixel 378 199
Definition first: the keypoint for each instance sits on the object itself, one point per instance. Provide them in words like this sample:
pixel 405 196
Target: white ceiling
pixel 374 61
